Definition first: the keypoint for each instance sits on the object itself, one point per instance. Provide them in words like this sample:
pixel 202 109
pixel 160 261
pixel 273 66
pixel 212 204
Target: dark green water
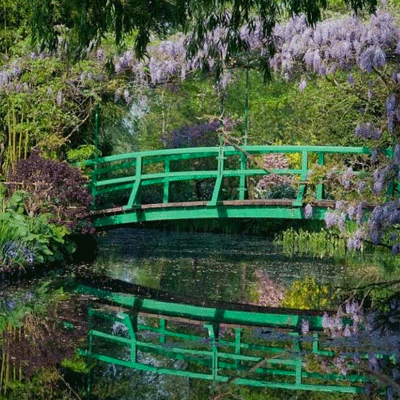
pixel 209 265
pixel 214 266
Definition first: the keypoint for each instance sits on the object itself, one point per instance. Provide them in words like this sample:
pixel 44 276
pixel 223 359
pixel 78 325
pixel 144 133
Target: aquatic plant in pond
pixel 304 242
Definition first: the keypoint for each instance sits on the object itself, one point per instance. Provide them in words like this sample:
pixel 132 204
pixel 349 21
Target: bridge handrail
pixel 201 152
pixel 134 173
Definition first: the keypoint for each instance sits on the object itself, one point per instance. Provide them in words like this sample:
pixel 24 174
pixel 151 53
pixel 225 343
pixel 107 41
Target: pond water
pixel 237 268
pixel 207 265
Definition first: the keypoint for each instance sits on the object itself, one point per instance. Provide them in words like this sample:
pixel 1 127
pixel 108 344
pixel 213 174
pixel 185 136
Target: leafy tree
pixel 82 24
pixel 48 103
pixel 14 23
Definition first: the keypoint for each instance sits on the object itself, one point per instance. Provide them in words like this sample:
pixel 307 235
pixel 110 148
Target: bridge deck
pixel 223 203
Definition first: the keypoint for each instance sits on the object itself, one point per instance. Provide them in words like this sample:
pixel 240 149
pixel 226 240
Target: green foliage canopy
pixel 79 25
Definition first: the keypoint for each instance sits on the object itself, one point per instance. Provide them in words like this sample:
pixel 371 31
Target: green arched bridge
pixel 213 182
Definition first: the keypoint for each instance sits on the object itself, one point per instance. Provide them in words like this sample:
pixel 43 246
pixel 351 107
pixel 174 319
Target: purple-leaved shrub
pixel 54 187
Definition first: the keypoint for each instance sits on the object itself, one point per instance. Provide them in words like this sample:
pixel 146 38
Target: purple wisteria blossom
pixel 60 98
pixel 308 211
pixel 331 219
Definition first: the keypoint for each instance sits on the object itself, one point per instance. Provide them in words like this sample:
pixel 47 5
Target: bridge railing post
pixel 93 189
pixel 298 202
pixel 90 352
pixel 298 359
pixel 135 192
pixel 242 178
pixel 320 187
pixel 238 337
pixel 162 327
pixel 167 170
pixel 220 176
pixel 214 361
pixel 132 328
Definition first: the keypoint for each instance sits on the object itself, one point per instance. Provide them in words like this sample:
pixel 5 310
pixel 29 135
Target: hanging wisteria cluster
pixel 336 44
pixel 345 44
pixel 373 48
pixel 331 45
pixel 165 62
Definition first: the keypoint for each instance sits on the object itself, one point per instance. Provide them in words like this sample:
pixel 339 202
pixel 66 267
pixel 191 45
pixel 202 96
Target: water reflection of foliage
pixel 184 276
pixel 193 276
pixel 307 294
pixel 145 273
pixel 323 244
pixel 36 340
pixel 265 291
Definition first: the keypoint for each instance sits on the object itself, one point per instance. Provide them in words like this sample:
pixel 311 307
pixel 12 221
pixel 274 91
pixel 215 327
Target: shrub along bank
pixel 42 205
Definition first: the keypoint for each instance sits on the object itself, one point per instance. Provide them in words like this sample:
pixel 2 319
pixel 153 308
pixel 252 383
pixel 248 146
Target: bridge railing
pixel 125 176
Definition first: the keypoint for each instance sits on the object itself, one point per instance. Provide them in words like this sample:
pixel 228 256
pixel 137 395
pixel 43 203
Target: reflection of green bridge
pixel 143 186
pixel 225 343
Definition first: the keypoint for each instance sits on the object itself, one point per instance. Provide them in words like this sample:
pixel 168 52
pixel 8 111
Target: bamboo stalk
pixel 3 356
pixel 20 140
pixel 14 369
pixel 7 362
pixel 19 341
pixel 8 154
pixel 14 137
pixel 7 373
pixel 26 144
